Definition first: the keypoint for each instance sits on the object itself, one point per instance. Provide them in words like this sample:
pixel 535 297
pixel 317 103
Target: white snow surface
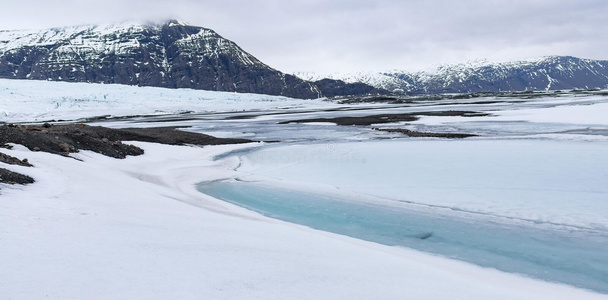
pixel 14 39
pixel 585 114
pixel 588 114
pixel 103 228
pixel 35 101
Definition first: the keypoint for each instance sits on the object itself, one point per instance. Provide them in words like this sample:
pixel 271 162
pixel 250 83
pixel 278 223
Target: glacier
pixel 139 227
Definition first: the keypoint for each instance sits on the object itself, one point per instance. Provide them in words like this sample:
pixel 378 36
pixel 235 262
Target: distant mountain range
pixel 547 73
pixel 177 55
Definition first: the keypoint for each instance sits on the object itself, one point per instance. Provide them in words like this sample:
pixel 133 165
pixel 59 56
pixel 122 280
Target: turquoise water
pixel 572 257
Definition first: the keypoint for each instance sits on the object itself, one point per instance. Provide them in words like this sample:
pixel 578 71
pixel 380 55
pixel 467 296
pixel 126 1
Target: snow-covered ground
pixel 137 228
pixel 37 101
pixel 105 228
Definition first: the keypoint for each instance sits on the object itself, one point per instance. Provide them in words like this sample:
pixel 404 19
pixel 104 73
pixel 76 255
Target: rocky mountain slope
pixel 173 55
pixel 547 73
pixel 178 55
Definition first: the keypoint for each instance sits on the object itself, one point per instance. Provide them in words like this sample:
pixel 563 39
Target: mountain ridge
pixel 545 73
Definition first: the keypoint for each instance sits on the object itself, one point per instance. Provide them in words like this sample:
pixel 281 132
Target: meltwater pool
pixel 574 257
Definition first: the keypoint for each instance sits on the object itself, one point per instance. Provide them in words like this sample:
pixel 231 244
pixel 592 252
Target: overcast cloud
pixel 356 35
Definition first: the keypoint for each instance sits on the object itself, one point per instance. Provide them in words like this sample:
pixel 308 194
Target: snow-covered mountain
pixel 172 54
pixel 177 55
pixel 547 73
pixel 378 80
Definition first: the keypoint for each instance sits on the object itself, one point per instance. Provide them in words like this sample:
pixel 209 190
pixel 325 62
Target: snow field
pixel 137 228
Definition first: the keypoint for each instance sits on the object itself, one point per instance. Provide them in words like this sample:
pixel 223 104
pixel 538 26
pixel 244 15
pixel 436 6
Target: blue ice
pixel 573 257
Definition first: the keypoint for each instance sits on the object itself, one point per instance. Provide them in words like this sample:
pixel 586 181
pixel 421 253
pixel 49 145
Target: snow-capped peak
pixel 176 22
pixel 545 73
pixel 164 54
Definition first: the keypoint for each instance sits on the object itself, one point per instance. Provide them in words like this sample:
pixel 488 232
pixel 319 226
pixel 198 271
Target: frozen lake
pixel 527 196
pixel 534 207
pixel 573 257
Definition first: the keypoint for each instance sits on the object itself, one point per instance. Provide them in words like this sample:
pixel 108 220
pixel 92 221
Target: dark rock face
pixel 66 139
pixel 71 138
pixel 11 160
pixel 10 177
pixel 172 55
pixel 332 88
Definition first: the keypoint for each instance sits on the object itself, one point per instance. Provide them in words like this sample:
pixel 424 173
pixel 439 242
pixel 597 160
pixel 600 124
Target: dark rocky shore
pixel 71 138
pixel 403 117
pixel 388 118
pixel 412 133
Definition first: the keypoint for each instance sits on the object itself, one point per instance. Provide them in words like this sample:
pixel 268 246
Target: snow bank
pixel 137 228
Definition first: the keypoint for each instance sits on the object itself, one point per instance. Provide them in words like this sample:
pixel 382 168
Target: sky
pixel 327 36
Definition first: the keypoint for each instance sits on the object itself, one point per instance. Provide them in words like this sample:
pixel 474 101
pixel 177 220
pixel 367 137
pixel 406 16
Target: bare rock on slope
pixel 66 139
pixel 10 177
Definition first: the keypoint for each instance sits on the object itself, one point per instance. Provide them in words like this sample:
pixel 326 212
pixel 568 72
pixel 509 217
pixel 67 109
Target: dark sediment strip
pixel 411 133
pixel 65 139
pixel 388 118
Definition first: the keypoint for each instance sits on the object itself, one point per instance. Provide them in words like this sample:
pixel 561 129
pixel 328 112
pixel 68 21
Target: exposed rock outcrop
pixel 66 139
